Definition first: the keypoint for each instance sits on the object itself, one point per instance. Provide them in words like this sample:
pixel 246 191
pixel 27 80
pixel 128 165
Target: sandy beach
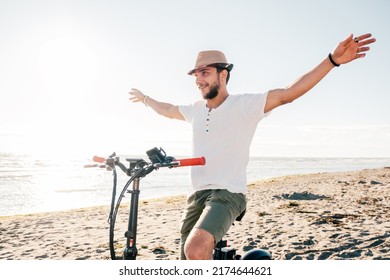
pixel 322 216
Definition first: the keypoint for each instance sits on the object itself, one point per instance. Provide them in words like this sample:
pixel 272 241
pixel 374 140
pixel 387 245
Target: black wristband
pixel 333 62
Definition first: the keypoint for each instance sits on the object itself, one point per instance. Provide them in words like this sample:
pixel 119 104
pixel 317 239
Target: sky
pixel 66 68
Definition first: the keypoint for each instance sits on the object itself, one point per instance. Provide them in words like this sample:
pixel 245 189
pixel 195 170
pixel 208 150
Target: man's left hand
pixel 352 48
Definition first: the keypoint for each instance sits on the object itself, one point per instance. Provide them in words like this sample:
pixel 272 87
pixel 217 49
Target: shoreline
pixel 338 215
pixel 93 187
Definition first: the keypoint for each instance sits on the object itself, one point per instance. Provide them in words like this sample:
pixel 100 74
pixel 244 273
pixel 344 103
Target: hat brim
pixel 226 66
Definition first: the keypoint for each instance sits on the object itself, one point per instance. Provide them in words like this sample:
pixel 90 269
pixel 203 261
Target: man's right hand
pixel 165 109
pixel 137 95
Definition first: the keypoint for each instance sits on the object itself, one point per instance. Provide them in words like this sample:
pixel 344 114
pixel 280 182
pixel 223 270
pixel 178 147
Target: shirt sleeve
pixel 254 105
pixel 187 111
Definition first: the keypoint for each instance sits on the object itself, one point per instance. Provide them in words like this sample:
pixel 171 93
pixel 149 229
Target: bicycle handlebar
pixel 173 163
pixel 158 159
pixel 190 161
pixel 98 159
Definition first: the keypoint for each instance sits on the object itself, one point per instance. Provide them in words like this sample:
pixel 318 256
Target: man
pixel 223 127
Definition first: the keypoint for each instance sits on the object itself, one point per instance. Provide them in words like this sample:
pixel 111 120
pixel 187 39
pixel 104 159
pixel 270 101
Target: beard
pixel 214 90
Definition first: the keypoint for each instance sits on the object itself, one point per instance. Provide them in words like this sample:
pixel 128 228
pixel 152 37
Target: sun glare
pixel 67 77
pixel 67 64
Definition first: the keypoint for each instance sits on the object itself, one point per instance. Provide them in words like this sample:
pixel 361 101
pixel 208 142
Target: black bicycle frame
pixel 130 252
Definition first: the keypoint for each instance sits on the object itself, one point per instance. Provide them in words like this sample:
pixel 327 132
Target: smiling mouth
pixel 202 86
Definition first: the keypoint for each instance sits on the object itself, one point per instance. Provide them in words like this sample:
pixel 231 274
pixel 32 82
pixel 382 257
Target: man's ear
pixel 224 74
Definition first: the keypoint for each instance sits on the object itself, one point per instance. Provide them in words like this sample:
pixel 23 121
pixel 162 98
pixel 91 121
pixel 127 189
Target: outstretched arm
pixel 346 51
pixel 164 109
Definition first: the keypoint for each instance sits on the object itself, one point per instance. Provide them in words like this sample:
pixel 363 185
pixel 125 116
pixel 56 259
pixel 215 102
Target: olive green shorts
pixel 213 211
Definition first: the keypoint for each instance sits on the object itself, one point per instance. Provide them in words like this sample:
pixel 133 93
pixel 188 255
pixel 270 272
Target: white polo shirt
pixel 223 136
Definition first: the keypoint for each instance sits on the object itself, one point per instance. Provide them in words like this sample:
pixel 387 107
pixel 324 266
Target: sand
pixel 343 215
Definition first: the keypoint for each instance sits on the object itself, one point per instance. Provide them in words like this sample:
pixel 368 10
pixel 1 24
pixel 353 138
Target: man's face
pixel 207 80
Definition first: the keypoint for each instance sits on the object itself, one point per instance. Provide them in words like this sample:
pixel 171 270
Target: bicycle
pixel 139 168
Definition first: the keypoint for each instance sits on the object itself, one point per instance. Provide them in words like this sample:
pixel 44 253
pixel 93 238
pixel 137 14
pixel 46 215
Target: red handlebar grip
pixel 191 161
pixel 98 159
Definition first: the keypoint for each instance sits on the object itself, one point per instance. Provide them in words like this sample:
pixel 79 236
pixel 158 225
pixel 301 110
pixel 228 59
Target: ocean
pixel 30 185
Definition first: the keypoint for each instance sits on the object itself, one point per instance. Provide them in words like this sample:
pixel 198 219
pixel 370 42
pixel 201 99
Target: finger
pixel 347 41
pixel 363 37
pixel 135 90
pixel 134 99
pixel 366 42
pixel 360 55
pixel 364 49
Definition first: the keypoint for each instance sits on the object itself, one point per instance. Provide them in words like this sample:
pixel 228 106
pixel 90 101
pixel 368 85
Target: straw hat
pixel 211 58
